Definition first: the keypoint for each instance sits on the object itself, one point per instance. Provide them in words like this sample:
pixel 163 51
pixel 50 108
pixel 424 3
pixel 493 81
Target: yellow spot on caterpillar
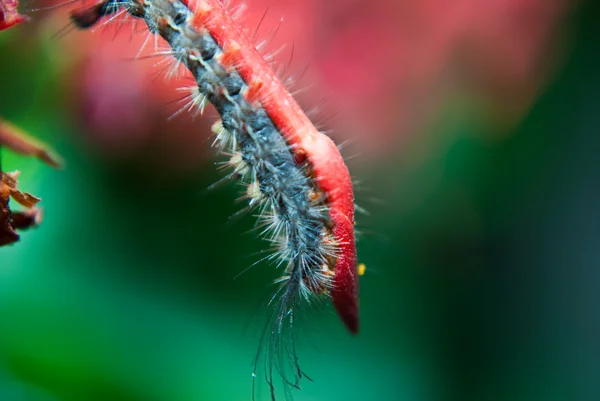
pixel 253 192
pixel 217 127
pixel 236 161
pixel 361 269
pixel 223 138
pixel 240 168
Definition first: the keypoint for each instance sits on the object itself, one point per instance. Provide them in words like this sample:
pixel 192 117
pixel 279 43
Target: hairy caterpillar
pixel 295 174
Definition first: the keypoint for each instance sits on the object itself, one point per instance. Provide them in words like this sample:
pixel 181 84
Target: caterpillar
pixel 294 174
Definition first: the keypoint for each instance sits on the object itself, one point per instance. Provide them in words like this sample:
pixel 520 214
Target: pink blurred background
pixel 377 73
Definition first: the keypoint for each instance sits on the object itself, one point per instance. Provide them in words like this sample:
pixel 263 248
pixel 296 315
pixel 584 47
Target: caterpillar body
pixel 295 174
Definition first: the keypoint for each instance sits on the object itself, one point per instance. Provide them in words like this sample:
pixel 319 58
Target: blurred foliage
pixel 481 285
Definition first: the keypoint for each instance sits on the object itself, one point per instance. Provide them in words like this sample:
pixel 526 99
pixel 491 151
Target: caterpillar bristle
pixel 361 210
pixel 171 62
pixel 236 10
pixel 193 103
pixel 239 167
pixel 224 140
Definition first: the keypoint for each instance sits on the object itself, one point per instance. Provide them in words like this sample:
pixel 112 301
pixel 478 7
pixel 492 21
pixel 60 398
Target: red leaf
pixel 9 15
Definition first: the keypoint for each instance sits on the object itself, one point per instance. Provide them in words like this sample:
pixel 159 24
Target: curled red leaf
pixel 9 15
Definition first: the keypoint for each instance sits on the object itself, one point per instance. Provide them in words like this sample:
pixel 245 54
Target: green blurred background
pixel 485 286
